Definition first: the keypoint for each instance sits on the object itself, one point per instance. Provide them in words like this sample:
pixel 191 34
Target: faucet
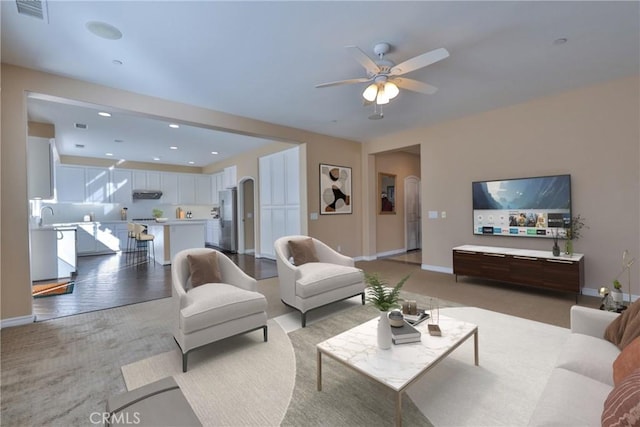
pixel 42 210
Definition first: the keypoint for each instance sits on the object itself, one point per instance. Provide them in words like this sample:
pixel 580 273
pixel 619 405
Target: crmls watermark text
pixel 132 418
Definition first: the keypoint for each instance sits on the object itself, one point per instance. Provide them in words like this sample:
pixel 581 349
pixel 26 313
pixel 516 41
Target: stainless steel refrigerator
pixel 228 220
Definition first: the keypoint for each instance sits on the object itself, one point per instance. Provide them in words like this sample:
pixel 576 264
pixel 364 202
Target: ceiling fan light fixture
pixel 370 92
pixel 382 97
pixel 391 90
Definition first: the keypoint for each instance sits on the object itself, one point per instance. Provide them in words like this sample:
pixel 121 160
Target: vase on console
pixel 384 331
pixel 568 247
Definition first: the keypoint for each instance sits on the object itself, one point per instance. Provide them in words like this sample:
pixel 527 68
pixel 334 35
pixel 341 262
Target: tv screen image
pixel 525 207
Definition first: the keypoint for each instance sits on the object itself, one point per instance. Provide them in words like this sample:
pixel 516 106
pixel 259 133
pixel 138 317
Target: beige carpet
pixel 241 381
pixel 245 382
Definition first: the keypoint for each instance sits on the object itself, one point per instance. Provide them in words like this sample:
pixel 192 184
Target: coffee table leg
pixel 319 373
pixel 399 409
pixel 475 347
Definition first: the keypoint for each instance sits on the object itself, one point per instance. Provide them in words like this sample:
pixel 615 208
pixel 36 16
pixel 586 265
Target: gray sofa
pixel 583 376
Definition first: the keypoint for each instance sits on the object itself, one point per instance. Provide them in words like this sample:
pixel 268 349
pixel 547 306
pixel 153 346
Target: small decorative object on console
pixel 396 320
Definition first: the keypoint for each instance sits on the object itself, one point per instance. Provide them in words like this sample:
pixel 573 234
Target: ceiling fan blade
pixel 415 86
pixel 344 82
pixel 364 60
pixel 419 61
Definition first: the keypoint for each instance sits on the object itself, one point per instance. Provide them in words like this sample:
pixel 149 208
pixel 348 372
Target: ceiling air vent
pixel 79 145
pixel 80 126
pixel 34 8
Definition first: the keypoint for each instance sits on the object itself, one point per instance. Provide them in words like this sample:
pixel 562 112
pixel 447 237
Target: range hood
pixel 146 194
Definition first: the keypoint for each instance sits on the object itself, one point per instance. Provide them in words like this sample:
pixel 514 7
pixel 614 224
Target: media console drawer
pixel 523 267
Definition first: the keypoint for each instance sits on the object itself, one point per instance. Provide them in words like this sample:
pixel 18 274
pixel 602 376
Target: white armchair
pixel 213 311
pixel 315 284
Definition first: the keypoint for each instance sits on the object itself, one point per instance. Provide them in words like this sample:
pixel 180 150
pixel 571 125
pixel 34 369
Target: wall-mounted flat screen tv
pixel 526 207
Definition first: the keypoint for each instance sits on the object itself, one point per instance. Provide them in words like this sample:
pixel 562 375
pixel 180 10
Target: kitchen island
pixel 173 236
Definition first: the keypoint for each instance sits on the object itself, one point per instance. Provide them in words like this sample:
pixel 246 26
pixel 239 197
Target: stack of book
pixel 419 317
pixel 405 334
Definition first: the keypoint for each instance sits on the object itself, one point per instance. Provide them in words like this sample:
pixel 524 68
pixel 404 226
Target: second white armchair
pixel 312 275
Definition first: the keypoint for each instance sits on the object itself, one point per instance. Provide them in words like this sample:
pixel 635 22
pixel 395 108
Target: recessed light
pixel 104 114
pixel 104 30
pixel 214 152
pixel 108 154
pixel 156 158
pixel 174 126
pixel 173 147
pixel 192 163
pixel 562 40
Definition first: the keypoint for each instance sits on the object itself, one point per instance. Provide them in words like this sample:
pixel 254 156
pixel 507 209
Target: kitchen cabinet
pixel 169 187
pixel 186 189
pixel 212 234
pixel 39 168
pixel 98 185
pixel 522 267
pixel 44 261
pixel 216 185
pixel 121 186
pixel 70 182
pixel 96 238
pixel 203 189
pixel 146 180
pixel 230 177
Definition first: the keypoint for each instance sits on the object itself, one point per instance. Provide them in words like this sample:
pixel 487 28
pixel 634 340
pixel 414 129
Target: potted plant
pixel 384 298
pixel 573 232
pixel 157 213
pixel 616 293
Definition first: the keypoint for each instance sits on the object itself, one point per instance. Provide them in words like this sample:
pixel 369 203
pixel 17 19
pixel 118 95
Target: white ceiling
pixel 262 59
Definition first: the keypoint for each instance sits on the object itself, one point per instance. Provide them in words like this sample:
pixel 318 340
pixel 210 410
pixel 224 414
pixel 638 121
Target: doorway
pixel 246 210
pixel 413 226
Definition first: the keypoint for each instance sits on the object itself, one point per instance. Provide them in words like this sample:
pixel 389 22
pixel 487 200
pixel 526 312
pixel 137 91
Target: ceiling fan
pixel 384 75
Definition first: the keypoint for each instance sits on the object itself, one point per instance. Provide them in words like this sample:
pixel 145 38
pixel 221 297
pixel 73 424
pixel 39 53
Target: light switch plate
pixel 443 214
pixel 433 214
pixel 313 216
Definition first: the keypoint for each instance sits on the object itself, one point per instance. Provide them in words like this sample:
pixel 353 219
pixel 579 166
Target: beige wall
pixel 390 228
pixel 343 230
pixel 16 82
pixel 591 133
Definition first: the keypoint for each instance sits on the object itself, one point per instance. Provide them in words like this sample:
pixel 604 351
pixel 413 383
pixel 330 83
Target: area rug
pixel 51 289
pixel 516 358
pixel 240 381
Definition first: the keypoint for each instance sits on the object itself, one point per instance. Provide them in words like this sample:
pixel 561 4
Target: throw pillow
pixel 303 251
pixel 204 268
pixel 622 407
pixel 627 362
pixel 625 328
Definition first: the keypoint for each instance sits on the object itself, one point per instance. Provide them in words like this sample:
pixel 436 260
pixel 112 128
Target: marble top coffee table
pixel 401 365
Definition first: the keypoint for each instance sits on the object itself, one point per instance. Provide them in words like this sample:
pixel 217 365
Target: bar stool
pixel 131 238
pixel 142 241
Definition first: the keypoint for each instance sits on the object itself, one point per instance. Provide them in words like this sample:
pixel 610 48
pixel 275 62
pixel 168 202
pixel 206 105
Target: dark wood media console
pixel 519 266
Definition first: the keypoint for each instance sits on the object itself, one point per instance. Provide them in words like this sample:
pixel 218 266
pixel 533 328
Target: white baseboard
pixel 437 268
pixel 594 293
pixel 365 258
pixel 17 321
pixel 393 252
pixel 250 251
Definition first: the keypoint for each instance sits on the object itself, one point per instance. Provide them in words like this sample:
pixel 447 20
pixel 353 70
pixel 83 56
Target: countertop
pixel 72 224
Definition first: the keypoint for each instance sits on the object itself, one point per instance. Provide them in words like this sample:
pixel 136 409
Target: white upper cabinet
pixel 70 184
pixel 169 187
pixel 216 185
pixel 203 189
pixel 39 168
pixel 98 185
pixel 230 177
pixel 121 185
pixel 186 189
pixel 139 180
pixel 154 181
